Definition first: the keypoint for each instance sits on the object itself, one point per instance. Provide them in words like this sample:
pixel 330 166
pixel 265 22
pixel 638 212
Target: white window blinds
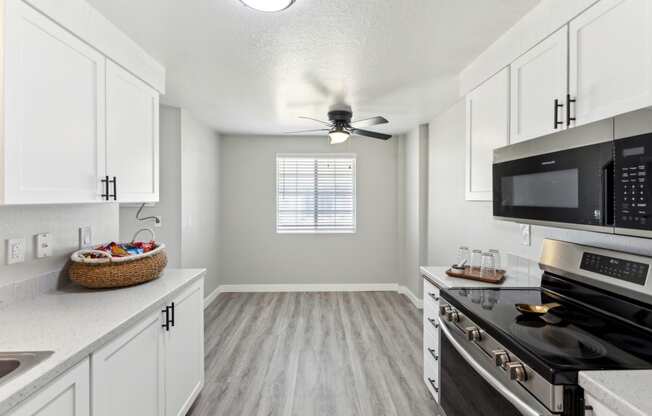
pixel 315 193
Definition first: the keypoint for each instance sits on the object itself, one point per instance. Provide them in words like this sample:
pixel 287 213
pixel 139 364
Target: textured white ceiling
pixel 244 71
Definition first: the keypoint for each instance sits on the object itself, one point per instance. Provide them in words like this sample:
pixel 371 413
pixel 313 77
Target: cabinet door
pixel 127 376
pixel 132 135
pixel 538 78
pixel 54 141
pixel 68 395
pixel 184 351
pixel 611 59
pixel 487 127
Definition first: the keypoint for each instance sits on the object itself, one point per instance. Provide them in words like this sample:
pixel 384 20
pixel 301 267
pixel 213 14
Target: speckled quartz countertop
pixel 74 322
pixel 626 392
pixel 521 272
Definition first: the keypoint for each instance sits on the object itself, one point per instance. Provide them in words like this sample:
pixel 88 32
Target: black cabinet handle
pixel 432 383
pixel 115 188
pixel 434 297
pixel 166 311
pixel 172 319
pixel 557 123
pixel 105 181
pixel 569 100
pixel 434 354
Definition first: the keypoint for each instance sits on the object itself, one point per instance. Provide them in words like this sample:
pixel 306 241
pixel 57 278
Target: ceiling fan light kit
pixel 340 127
pixel 268 5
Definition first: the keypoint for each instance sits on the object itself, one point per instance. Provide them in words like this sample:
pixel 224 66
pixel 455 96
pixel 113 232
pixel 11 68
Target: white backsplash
pixel 23 280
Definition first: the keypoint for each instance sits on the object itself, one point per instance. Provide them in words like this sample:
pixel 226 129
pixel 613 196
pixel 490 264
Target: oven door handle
pixel 511 397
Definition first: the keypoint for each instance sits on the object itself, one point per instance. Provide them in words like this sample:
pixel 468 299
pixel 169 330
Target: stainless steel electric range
pixel 497 361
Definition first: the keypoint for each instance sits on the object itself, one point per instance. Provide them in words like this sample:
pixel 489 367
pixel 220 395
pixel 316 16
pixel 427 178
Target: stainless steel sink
pixel 13 364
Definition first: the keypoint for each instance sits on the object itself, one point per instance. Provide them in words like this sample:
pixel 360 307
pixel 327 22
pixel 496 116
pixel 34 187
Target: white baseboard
pixel 345 287
pixel 212 296
pixel 404 290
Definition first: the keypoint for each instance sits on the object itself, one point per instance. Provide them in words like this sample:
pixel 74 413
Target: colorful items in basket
pixel 123 249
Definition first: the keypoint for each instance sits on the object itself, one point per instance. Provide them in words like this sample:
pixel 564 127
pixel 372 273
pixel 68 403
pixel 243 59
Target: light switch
pixel 85 237
pixel 15 250
pixel 526 237
pixel 43 245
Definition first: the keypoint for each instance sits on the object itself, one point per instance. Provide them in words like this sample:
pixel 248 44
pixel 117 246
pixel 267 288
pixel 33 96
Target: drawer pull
pixel 434 354
pixel 434 297
pixel 434 323
pixel 432 383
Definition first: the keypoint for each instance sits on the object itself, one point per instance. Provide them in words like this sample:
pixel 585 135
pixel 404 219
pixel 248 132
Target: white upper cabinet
pixel 54 108
pixel 611 59
pixel 538 89
pixel 132 136
pixel 487 127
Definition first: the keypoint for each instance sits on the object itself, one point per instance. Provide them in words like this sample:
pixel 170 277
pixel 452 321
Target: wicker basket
pixel 113 272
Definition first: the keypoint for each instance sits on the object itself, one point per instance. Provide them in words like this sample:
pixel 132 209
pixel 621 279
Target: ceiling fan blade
pixel 367 122
pixel 307 131
pixel 373 134
pixel 314 119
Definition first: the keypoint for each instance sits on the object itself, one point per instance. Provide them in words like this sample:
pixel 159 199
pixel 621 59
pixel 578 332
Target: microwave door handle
pixel 607 195
pixel 511 397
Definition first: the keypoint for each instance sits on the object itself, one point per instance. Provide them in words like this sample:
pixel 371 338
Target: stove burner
pixel 559 341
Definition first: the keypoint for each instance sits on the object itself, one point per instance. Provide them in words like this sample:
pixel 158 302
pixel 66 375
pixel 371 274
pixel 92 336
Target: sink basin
pixel 13 364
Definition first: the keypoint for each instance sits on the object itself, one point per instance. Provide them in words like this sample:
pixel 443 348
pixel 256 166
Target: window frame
pixel 352 156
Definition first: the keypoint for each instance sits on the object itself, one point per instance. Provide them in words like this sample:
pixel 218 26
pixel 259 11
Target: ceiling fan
pixel 340 127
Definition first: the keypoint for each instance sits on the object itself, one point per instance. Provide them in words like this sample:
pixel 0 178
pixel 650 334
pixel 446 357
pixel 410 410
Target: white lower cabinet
pixel 156 368
pixel 128 372
pixel 68 395
pixel 184 352
pixel 431 338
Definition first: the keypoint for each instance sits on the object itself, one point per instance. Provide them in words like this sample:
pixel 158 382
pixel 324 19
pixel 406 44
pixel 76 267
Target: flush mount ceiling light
pixel 338 135
pixel 268 5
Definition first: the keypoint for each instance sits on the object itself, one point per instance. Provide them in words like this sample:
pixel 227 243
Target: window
pixel 315 193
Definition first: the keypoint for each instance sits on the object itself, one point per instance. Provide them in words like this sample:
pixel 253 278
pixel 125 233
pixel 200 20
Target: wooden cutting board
pixel 475 275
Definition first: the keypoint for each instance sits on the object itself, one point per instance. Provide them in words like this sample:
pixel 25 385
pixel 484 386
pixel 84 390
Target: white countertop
pixel 521 272
pixel 74 322
pixel 625 392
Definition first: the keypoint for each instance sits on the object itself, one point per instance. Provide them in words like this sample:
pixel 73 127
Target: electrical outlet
pixel 43 245
pixel 85 236
pixel 15 250
pixel 159 221
pixel 526 236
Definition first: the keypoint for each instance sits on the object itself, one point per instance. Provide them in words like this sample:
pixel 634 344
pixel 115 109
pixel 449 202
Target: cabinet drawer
pixel 430 334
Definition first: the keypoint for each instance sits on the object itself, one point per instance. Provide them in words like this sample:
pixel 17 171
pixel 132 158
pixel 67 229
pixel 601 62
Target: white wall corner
pixel 404 290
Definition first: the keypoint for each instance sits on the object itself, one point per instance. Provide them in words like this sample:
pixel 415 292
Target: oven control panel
pixel 629 271
pixel 632 182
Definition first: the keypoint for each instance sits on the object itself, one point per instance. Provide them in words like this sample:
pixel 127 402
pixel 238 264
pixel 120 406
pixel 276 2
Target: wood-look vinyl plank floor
pixel 313 354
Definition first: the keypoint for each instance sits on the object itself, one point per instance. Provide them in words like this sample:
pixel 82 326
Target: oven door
pixel 469 385
pixel 571 188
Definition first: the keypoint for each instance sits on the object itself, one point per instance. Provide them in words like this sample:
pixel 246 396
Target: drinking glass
pixel 462 255
pixel 488 265
pixel 476 259
pixel 496 254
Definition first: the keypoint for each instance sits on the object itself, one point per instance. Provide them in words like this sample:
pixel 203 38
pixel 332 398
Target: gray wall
pixel 413 206
pixel 200 190
pixel 252 253
pixel 169 207
pixel 453 221
pixel 189 195
pixel 63 222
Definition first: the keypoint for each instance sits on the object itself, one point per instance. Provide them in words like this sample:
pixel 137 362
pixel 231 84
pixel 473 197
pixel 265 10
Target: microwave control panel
pixel 632 182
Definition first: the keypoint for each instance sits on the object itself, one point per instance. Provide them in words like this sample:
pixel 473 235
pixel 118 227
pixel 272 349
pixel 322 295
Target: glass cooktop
pixel 557 345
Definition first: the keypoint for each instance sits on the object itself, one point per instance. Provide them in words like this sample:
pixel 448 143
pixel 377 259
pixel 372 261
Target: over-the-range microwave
pixel 587 181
